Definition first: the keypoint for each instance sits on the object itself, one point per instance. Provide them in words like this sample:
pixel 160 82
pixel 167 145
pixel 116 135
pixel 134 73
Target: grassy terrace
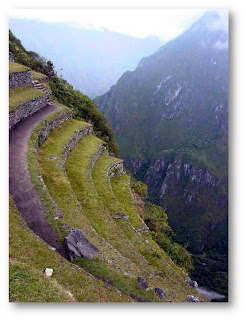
pixel 125 284
pixel 29 256
pixel 27 284
pixel 78 170
pixel 122 190
pixel 21 95
pixel 16 67
pixel 50 156
pixel 60 189
pixel 38 75
pixel 98 212
pixel 74 216
pixel 144 244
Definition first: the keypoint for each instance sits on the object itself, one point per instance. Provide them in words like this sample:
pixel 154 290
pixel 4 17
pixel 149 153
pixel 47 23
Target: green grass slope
pixel 68 283
pixel 76 193
pixel 17 67
pixel 142 241
pixel 21 95
pixel 59 188
pixel 121 187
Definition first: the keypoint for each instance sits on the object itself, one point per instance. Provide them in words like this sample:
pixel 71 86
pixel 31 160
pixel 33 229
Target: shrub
pixel 63 92
pixel 141 189
pixel 156 219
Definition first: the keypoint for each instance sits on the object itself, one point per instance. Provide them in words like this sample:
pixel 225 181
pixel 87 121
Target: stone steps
pixel 36 84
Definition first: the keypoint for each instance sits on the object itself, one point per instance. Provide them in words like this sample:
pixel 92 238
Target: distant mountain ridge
pixel 170 117
pixel 91 60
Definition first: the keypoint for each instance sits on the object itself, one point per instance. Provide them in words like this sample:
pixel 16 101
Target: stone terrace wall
pixel 96 156
pixel 77 136
pixel 116 168
pixel 20 79
pixel 27 109
pixel 51 125
pixel 11 57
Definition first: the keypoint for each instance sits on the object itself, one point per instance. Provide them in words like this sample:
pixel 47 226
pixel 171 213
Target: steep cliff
pixel 170 118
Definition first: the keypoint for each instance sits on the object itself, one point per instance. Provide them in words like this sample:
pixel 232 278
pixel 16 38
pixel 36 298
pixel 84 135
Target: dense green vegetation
pixel 27 58
pixel 162 233
pixel 64 93
pixel 154 217
pixel 84 109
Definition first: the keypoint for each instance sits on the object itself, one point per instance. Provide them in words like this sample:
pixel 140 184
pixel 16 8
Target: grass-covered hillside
pixel 80 229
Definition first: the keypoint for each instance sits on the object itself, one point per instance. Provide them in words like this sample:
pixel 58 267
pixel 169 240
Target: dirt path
pixel 21 187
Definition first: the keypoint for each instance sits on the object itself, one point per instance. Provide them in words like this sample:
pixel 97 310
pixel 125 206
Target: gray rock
pixel 160 293
pixel 142 283
pixel 78 246
pixel 192 298
pixel 52 158
pixel 121 216
pixel 193 284
pixel 11 57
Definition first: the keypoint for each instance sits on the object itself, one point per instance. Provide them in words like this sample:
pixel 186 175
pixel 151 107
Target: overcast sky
pixel 164 23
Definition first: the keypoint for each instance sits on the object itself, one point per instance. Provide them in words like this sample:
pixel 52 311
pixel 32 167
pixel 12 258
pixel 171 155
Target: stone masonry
pixel 48 126
pixel 27 109
pixel 71 143
pixel 20 79
pixel 116 168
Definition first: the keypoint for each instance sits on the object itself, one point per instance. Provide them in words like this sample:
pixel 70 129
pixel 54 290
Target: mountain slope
pixel 92 61
pixel 80 245
pixel 170 118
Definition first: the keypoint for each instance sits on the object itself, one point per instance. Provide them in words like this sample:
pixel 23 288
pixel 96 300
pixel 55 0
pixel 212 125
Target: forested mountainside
pixel 170 117
pixel 93 237
pixel 91 60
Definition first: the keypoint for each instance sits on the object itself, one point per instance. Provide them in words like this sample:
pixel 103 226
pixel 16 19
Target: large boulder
pixel 142 283
pixel 192 298
pixel 160 293
pixel 192 283
pixel 78 246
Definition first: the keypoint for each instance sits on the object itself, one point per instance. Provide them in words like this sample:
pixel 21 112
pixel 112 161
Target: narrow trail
pixel 20 184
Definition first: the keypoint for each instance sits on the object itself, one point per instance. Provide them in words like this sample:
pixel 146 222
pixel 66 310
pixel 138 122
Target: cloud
pixel 220 20
pixel 220 45
pixel 163 23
